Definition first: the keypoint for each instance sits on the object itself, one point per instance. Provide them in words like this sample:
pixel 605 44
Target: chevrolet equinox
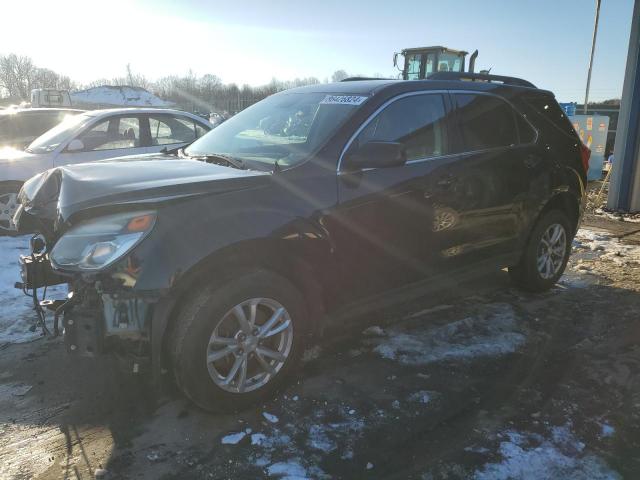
pixel 218 262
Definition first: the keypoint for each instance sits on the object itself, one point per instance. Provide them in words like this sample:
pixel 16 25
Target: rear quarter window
pixel 485 121
pixel 547 110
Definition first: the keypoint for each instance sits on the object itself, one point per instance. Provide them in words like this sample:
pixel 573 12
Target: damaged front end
pixel 99 231
pixel 102 313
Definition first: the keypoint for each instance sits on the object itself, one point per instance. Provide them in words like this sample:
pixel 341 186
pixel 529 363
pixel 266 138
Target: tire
pixel 212 310
pixel 8 206
pixel 527 275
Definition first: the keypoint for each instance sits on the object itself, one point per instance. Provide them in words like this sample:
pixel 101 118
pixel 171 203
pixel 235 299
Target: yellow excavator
pixel 422 62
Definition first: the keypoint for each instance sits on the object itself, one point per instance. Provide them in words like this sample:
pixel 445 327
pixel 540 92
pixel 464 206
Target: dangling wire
pixel 36 303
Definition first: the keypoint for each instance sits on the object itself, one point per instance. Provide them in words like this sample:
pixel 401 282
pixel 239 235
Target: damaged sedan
pixel 217 263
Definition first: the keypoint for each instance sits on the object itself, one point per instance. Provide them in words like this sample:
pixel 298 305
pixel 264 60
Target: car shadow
pixel 82 417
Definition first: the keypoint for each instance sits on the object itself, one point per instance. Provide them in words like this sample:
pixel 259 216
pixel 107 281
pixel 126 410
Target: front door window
pixel 417 121
pixel 112 134
pixel 413 66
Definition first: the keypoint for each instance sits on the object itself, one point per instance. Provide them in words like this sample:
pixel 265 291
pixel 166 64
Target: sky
pixel 250 42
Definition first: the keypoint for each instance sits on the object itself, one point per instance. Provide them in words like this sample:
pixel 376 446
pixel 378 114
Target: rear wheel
pixel 8 206
pixel 546 254
pixel 234 345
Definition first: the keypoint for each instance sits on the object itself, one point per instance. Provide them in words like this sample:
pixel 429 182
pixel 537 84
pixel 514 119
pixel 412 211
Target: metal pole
pixel 624 190
pixel 593 49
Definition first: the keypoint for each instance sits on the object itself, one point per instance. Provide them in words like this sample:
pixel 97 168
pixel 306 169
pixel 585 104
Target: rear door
pixel 484 192
pixel 172 131
pixel 383 226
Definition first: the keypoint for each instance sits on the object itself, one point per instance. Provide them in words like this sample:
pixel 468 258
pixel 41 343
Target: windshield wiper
pixel 219 158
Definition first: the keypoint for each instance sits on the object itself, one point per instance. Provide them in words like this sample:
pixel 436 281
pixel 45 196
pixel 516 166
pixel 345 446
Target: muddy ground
pixel 482 381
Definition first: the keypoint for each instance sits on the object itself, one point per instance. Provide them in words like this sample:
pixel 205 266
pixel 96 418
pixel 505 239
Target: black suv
pixel 219 261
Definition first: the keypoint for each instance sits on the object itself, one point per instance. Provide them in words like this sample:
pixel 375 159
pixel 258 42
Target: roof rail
pixel 356 79
pixel 481 77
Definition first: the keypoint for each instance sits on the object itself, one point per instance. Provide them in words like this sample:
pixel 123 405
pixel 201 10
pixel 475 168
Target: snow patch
pixel 287 470
pixel 609 246
pixel 117 96
pixel 493 333
pixel 607 430
pixel 319 439
pixel 233 438
pixel 532 457
pixel 374 331
pixel 271 418
pixel 17 314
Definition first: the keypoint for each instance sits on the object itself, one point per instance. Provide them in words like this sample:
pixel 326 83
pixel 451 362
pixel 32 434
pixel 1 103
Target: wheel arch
pixel 565 202
pixel 293 262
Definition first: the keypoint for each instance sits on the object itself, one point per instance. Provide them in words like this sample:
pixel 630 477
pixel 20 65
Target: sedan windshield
pixel 49 141
pixel 284 128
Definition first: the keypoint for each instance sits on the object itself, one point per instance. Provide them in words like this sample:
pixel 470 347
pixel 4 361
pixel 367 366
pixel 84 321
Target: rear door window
pixel 417 121
pixel 485 122
pixel 171 129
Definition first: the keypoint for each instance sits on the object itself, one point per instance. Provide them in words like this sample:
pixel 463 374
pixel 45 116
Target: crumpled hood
pixel 61 192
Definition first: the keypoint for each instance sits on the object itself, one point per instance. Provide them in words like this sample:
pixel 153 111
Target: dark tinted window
pixel 485 122
pixel 7 129
pixel 547 108
pixel 35 124
pixel 416 121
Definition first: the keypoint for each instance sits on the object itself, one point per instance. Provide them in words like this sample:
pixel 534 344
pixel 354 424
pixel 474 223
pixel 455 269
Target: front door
pixel 383 228
pixel 114 137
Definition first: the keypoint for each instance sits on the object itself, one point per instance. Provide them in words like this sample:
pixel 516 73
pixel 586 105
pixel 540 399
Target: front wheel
pixel 234 345
pixel 546 254
pixel 8 206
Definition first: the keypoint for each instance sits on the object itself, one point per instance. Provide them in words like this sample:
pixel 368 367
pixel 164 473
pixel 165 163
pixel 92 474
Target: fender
pixel 569 194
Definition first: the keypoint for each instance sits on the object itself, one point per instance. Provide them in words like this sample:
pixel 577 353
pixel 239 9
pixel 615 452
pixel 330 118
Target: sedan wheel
pixel 8 207
pixel 249 345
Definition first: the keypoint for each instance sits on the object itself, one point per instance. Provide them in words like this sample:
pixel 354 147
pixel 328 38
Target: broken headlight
pixel 97 243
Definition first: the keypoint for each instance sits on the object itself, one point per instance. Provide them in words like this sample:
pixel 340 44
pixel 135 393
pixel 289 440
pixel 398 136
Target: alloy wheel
pixel 8 207
pixel 249 345
pixel 552 251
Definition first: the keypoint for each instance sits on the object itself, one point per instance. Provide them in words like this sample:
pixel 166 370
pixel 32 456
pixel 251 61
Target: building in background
pixel 593 131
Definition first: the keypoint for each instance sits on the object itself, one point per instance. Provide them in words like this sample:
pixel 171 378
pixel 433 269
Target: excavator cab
pixel 420 63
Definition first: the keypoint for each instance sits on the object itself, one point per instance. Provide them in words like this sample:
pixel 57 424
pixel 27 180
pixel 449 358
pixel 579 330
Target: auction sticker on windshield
pixel 343 100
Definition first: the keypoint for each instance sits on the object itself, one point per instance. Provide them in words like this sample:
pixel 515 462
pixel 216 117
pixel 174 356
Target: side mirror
pixel 75 145
pixel 376 155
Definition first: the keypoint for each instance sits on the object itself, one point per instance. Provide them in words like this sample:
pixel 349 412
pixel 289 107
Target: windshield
pixel 286 128
pixel 49 141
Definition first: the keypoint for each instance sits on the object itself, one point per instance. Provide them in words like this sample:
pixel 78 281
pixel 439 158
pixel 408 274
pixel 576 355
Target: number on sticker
pixel 343 100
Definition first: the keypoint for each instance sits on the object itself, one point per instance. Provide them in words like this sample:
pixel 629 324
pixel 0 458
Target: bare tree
pixel 19 75
pixel 339 75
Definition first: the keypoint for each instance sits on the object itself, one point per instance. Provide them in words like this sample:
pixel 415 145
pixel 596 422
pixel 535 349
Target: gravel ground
pixel 481 381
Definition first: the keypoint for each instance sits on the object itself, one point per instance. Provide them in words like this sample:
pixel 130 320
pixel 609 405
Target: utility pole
pixel 593 49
